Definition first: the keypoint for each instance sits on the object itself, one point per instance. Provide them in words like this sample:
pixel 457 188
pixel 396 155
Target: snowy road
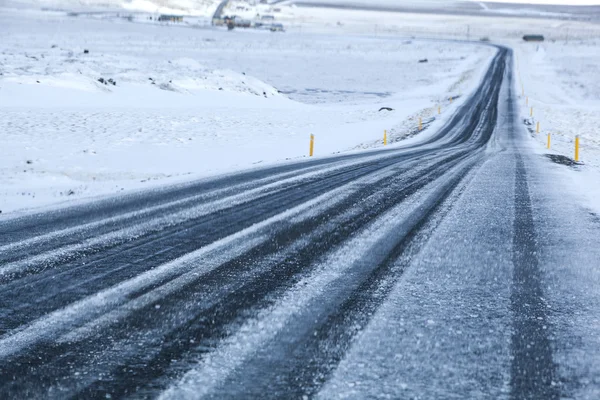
pixel 414 272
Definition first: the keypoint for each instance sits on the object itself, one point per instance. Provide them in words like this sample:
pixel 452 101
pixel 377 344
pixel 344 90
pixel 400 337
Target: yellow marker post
pixel 420 124
pixel 312 144
pixel 527 100
pixel 385 137
pixel 439 110
pixel 549 140
pixel 577 148
pixel 450 99
pixel 531 112
pixel 537 128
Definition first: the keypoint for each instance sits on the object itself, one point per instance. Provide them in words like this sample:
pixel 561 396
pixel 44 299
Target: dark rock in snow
pixel 29 162
pixel 386 109
pixel 101 80
pixel 423 61
pixel 86 51
pixel 563 160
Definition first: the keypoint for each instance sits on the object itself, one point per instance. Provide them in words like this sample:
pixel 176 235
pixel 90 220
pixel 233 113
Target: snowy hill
pixel 194 7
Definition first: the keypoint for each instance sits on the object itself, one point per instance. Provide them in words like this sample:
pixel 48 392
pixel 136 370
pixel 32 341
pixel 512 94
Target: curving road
pixel 404 273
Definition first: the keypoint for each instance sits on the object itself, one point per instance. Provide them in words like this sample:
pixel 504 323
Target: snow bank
pixel 560 82
pixel 571 104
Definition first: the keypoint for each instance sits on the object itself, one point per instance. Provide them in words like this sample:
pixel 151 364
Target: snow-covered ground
pixel 570 105
pixel 194 102
pixel 444 26
pixel 559 80
pixel 177 7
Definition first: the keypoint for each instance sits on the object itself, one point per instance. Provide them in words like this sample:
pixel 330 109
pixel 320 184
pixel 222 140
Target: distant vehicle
pixel 277 28
pixel 533 38
pixel 170 18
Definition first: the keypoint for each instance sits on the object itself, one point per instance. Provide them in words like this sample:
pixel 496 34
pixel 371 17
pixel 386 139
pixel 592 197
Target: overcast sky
pixel 563 2
pixel 416 2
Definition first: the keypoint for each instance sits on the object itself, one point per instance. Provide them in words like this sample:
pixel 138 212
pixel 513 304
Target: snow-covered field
pixel 178 7
pixel 194 102
pixel 560 81
pixel 443 26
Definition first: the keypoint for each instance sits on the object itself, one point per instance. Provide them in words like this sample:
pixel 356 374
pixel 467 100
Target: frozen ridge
pixel 188 7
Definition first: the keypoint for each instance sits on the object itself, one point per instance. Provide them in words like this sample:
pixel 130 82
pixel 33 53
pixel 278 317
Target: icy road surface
pixel 445 269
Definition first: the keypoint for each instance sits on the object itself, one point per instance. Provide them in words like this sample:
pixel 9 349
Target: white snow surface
pixel 559 81
pixel 176 7
pixel 195 102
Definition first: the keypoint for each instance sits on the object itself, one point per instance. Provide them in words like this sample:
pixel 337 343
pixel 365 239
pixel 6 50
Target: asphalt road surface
pixel 415 272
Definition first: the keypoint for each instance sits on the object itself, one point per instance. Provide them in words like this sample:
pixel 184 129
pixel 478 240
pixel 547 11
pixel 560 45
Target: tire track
pixel 228 306
pixel 297 367
pixel 533 371
pixel 166 220
pixel 37 224
pixel 140 256
pixel 231 194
